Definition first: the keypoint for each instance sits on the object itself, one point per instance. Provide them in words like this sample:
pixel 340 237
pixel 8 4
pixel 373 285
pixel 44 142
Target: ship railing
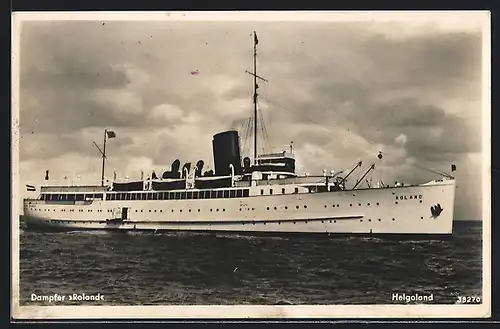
pixel 293 180
pixel 276 155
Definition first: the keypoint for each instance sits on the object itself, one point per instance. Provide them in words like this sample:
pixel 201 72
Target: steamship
pixel 259 195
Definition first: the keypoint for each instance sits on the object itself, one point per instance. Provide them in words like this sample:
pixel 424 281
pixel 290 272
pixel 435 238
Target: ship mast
pixel 255 95
pixel 107 134
pixel 103 157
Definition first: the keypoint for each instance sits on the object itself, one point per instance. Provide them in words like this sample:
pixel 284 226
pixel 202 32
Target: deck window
pixel 177 195
pixel 296 190
pixel 155 196
pixel 128 196
pixel 271 191
pixel 239 193
pixel 226 194
pixel 144 196
pixel 108 197
pixel 98 196
pixel 183 195
pixel 220 194
pixel 213 194
pixel 246 192
pixel 150 196
pixel 189 195
pixel 195 195
pixel 232 194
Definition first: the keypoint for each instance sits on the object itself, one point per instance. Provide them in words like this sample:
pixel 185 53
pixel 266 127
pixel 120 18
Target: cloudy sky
pixel 340 90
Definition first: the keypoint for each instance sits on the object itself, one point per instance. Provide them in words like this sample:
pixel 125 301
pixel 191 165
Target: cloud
pixel 340 91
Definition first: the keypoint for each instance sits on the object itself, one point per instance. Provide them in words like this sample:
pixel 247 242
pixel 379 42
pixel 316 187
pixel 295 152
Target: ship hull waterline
pixel 374 212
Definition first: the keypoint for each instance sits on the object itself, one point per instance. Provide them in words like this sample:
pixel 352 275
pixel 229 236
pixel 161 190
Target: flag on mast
pixel 256 41
pixel 110 134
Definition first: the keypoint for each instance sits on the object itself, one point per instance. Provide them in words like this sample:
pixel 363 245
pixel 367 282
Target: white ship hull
pixel 391 210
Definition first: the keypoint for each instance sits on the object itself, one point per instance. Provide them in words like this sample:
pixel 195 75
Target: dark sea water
pixel 184 268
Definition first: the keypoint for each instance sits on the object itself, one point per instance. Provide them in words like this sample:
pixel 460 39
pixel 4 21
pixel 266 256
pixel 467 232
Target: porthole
pixel 379 220
pixel 223 209
pixel 155 210
pixel 297 207
pixel 240 209
pixel 180 210
pixel 294 222
pixel 325 205
pixel 378 203
pixel 322 221
pixel 338 206
pixel 217 209
pixel 350 205
pixel 334 221
pixel 369 220
pixel 393 219
pixel 368 204
pixel 172 210
pixel 211 210
pixel 330 221
pixel 275 208
pixel 421 217
pixel 420 201
pixel 161 210
pixel 396 202
pixel 305 206
pixel 141 210
pixel 361 220
pixel 135 210
pixel 267 208
pixel 286 207
pixel 189 210
pixel 279 223
pixel 199 210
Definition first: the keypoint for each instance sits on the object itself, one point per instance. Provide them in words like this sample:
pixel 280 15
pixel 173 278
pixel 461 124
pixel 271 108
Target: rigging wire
pixel 263 121
pixel 345 136
pixel 265 136
pixel 247 133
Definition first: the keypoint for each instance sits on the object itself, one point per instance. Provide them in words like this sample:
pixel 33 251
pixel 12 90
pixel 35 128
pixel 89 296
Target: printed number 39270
pixel 468 300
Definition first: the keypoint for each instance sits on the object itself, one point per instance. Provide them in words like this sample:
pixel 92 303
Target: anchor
pixel 436 210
